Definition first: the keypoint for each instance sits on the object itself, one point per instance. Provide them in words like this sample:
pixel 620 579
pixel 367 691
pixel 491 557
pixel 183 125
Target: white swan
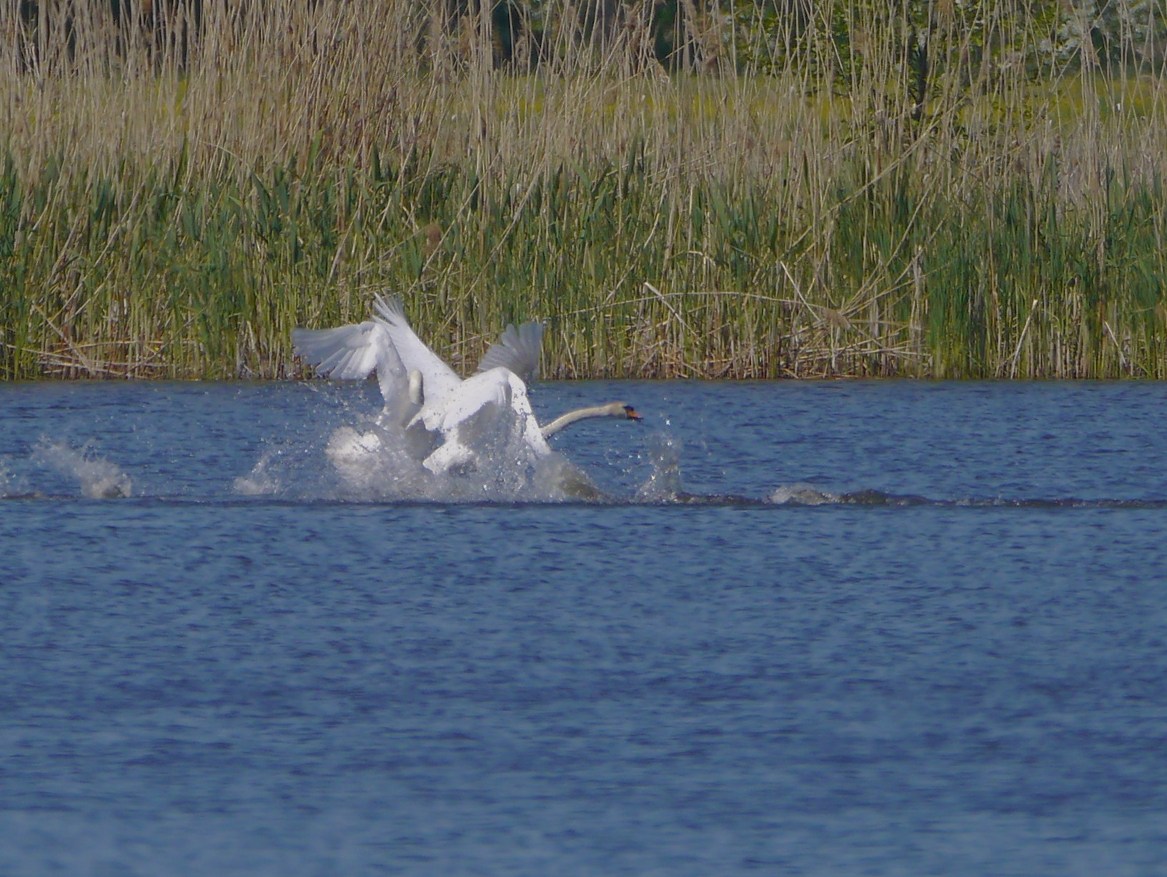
pixel 426 398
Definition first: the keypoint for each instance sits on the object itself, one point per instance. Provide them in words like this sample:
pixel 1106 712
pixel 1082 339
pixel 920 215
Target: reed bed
pixel 175 208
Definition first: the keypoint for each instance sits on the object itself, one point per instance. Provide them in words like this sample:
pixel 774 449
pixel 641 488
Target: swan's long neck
pixel 612 409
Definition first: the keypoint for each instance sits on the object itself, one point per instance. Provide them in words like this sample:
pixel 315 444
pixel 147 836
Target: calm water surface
pixel 844 628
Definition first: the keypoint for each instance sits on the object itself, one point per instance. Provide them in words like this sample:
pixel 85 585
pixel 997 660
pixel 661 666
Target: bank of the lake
pixel 178 220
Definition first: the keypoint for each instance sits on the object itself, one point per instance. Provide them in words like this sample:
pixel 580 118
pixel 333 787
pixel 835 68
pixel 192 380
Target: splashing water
pixel 98 478
pixel 373 462
pixel 9 485
pixel 262 480
pixel 663 452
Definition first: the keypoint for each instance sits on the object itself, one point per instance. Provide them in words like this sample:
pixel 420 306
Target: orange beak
pixel 631 412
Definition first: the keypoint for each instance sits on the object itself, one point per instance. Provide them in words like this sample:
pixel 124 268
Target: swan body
pixel 446 420
pixel 475 415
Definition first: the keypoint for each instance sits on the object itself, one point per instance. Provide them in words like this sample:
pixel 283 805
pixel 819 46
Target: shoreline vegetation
pixel 745 190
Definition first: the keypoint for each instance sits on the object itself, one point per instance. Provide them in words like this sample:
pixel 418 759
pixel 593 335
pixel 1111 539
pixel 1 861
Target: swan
pixel 445 419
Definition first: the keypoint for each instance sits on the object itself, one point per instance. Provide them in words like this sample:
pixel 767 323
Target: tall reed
pixel 176 209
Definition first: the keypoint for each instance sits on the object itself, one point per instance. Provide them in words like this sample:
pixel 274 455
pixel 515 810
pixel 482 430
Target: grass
pixel 167 220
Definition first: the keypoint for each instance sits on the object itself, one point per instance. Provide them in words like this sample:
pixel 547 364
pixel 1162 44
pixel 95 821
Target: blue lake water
pixel 816 628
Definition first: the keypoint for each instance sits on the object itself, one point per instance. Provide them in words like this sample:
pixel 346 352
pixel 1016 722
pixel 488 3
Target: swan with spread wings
pixel 446 420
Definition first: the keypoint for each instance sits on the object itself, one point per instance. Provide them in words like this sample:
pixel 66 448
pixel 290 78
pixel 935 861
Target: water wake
pixel 371 465
pixel 806 495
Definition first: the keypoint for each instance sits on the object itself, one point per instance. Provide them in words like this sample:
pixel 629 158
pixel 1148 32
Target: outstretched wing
pixel 351 353
pixel 439 380
pixel 347 353
pixel 517 350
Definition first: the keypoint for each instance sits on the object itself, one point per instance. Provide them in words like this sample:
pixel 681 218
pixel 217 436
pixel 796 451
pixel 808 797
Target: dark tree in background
pixel 824 40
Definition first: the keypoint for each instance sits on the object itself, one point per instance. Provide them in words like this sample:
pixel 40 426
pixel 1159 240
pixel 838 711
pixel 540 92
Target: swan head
pixel 629 412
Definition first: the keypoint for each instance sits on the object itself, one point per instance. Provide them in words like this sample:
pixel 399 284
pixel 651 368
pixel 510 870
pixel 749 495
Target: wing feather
pixel 438 379
pixel 517 350
pixel 347 353
pixel 351 353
